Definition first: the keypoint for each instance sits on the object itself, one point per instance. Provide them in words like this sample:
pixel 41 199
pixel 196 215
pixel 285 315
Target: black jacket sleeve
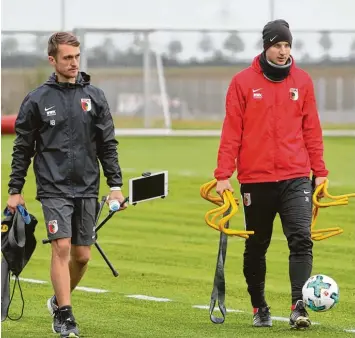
pixel 26 127
pixel 107 145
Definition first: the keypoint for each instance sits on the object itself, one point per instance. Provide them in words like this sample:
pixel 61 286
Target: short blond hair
pixel 61 38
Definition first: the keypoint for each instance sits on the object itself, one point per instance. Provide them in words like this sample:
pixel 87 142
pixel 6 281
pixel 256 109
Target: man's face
pixel 66 63
pixel 279 53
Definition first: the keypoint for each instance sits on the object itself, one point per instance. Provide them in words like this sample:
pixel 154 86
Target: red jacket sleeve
pixel 231 132
pixel 312 133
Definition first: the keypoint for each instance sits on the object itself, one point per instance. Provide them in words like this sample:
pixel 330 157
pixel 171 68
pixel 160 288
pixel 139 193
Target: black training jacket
pixel 68 129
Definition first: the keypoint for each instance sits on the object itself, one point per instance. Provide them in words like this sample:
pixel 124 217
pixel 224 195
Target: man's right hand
pixel 13 201
pixel 222 186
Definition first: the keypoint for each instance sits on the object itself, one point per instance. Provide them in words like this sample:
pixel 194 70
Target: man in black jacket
pixel 66 125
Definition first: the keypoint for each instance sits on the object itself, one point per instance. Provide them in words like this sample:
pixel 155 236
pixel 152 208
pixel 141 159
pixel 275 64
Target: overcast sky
pixel 246 14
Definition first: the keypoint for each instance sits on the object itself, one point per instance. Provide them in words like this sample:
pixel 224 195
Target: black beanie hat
pixel 276 31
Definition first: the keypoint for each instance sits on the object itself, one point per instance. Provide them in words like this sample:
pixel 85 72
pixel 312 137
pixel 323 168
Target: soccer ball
pixel 320 293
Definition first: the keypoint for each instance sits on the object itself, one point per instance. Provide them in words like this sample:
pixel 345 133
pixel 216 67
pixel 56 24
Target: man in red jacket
pixel 272 136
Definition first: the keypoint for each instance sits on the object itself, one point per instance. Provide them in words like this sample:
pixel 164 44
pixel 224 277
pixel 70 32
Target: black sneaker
pixel 299 317
pixel 69 329
pixel 262 317
pixel 55 313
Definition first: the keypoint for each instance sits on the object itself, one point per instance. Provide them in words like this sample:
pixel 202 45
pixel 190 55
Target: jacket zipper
pixel 71 149
pixel 275 135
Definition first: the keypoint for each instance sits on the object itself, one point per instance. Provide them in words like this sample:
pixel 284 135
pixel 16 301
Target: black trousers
pixel 292 200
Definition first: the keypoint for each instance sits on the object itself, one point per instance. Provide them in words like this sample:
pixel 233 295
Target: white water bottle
pixel 114 205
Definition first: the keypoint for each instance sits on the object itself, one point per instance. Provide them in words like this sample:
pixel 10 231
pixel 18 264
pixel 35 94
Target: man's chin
pixel 281 62
pixel 68 76
pixel 72 74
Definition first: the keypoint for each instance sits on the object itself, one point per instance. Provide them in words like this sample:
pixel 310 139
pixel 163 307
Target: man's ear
pixel 51 60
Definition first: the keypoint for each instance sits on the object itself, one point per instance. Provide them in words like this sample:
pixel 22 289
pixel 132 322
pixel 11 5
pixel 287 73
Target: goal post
pixel 136 90
pixel 163 91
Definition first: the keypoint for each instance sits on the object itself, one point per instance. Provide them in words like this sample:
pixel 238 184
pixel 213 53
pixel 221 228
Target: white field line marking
pixel 80 288
pixel 86 289
pixel 154 299
pixel 281 319
pixel 205 307
pixel 29 280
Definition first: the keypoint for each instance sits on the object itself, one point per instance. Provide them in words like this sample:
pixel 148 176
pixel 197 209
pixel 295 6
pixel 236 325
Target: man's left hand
pixel 117 196
pixel 319 181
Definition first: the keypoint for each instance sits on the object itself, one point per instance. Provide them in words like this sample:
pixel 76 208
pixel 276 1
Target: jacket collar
pixel 255 65
pixel 82 79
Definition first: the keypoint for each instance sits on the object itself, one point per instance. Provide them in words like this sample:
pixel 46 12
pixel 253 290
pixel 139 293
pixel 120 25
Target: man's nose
pixel 283 50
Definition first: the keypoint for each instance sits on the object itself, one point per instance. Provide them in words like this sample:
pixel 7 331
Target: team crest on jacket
pixel 247 199
pixel 86 104
pixel 294 94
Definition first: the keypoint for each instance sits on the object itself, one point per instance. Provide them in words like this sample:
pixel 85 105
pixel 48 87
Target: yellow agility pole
pixel 227 203
pixel 321 234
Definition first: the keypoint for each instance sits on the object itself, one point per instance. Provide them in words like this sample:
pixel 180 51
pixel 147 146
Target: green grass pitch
pixel 164 249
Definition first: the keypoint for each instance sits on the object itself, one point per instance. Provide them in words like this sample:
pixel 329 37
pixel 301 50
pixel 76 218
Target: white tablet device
pixel 148 187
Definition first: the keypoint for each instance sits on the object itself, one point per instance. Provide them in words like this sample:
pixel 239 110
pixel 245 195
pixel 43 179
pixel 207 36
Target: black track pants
pixel 292 200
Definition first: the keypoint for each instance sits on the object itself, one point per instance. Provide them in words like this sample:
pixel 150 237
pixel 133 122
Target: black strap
pixel 17 240
pixel 17 281
pixel 219 287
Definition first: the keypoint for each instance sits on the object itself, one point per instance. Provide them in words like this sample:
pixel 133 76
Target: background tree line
pixel 107 54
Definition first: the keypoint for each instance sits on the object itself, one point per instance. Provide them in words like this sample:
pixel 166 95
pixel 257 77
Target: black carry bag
pixel 18 243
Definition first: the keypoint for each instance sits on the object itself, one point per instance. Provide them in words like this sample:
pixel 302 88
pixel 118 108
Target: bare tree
pixel 326 42
pixel 9 46
pixel 298 46
pixel 259 44
pixel 306 57
pixel 234 44
pixel 41 45
pixel 137 42
pixel 174 48
pixel 352 50
pixel 206 44
pixel 110 48
pixel 97 53
pixel 103 53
